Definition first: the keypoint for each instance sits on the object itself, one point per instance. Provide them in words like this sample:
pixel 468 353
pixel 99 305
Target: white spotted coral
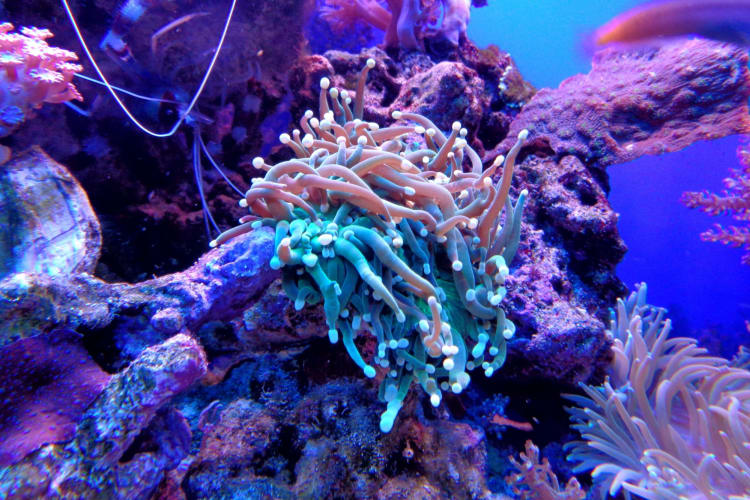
pixel 32 73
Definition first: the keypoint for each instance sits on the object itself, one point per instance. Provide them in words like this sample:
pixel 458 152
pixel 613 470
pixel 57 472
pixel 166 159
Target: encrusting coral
pixel 670 422
pixel 734 201
pixel 387 229
pixel 32 73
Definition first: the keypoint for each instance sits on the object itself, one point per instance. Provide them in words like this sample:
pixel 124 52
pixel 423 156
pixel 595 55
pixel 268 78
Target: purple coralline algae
pixel 649 101
pixel 99 462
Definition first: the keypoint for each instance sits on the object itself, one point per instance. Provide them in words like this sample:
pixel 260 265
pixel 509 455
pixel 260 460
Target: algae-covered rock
pixel 49 225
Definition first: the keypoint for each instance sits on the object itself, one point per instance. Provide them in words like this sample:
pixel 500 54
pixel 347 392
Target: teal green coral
pixel 413 255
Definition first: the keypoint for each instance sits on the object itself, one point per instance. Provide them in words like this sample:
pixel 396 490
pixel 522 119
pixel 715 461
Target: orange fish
pixel 723 20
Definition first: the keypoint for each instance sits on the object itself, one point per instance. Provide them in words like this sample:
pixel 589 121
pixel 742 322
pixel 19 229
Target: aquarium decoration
pixel 386 229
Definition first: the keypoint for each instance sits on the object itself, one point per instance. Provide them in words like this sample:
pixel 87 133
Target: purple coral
pixel 46 382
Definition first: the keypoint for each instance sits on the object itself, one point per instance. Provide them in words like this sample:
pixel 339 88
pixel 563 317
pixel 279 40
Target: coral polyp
pixel 32 73
pixel 385 227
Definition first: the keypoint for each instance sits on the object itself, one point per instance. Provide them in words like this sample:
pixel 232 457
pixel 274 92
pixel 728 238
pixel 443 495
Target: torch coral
pixel 385 227
pixel 32 73
pixel 735 200
pixel 670 422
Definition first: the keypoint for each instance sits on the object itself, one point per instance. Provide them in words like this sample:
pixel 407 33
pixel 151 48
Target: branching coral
pixel 671 422
pixel 32 73
pixel 735 201
pixel 405 19
pixel 385 227
pixel 536 481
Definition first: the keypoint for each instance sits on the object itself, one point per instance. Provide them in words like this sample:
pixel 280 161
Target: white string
pixel 117 98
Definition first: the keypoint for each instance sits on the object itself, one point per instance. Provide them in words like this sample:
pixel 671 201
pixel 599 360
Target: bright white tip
pixel 325 239
pixel 243 203
pixel 456 388
pixel 258 162
pixel 329 116
pixel 325 83
pixel 285 138
pixel 410 191
pixel 308 114
pixel 424 326
pixel 373 126
pixel 473 223
pixel 471 295
pixel 448 364
pixel 431 131
pixel 334 92
pixel 314 122
pixel 213 244
pixel 370 63
pixel 423 232
pixel 457 265
pixel 397 115
pixel 307 141
pixel 344 93
pixel 487 182
pixel 398 242
pixel 435 400
pixel 508 334
pixel 498 161
pixel 361 140
pixel 419 129
pixel 340 139
pixel 523 135
pixel 456 126
pixel 463 132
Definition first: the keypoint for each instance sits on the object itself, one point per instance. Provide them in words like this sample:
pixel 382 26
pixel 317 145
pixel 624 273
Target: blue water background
pixel 702 284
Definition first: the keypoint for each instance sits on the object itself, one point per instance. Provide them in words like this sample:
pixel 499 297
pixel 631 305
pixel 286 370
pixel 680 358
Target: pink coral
pixel 536 481
pixel 32 73
pixel 734 201
pixel 405 21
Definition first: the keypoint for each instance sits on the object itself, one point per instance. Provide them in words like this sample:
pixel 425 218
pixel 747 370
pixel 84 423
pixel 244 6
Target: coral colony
pixel 385 227
pixel 670 421
pixel 734 201
pixel 32 73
